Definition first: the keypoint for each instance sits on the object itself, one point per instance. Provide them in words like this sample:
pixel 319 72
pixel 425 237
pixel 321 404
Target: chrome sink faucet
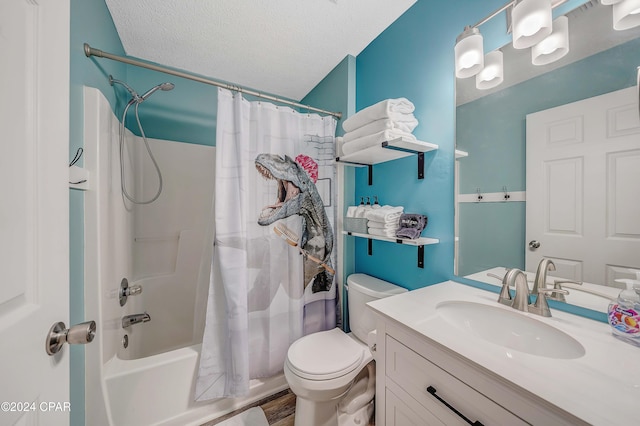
pixel 540 282
pixel 522 299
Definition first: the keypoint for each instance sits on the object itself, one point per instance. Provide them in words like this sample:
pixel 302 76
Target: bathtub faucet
pixel 129 320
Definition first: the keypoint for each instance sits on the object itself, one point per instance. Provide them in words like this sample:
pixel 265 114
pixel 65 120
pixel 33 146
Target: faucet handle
pixel 505 295
pixel 556 283
pixel 496 276
pixel 559 295
pixel 541 307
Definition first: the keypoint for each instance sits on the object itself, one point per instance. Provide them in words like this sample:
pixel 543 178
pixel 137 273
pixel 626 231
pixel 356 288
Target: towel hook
pixel 77 157
pixel 479 194
pixel 506 193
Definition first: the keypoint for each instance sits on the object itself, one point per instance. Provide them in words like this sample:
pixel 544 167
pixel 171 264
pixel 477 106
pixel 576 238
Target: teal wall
pixel 90 23
pixel 493 130
pixel 185 114
pixel 414 58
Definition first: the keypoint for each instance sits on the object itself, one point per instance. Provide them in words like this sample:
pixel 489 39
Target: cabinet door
pixel 405 411
pixel 415 374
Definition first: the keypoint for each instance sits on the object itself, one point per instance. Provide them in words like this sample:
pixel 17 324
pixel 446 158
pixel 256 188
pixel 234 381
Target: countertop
pixel 602 387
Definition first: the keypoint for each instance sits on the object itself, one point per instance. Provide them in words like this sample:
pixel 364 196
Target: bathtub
pixel 158 390
pixel 145 374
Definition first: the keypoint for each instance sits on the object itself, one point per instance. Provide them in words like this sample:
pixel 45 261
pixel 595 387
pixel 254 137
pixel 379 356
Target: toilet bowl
pixel 331 372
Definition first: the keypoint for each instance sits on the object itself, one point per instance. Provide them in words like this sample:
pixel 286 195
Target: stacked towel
pixel 384 121
pixel 395 109
pixel 384 221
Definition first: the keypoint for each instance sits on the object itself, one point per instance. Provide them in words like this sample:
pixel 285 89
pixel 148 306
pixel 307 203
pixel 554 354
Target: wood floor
pixel 279 409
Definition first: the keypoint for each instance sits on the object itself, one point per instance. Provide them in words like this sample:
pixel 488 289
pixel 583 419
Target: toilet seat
pixel 325 355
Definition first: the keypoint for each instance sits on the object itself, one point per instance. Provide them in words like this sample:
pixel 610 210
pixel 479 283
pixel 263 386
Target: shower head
pixel 133 93
pixel 162 86
pixel 137 98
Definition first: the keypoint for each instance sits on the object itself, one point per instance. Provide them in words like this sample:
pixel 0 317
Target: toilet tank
pixel 363 289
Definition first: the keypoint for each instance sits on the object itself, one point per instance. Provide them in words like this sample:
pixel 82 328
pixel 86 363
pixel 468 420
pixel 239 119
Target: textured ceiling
pixel 283 47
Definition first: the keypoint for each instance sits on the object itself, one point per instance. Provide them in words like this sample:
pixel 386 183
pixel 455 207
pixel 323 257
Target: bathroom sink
pixel 510 329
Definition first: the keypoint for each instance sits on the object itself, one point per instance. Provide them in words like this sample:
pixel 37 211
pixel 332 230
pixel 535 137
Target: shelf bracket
pixel 421 257
pixel 369 246
pixel 421 165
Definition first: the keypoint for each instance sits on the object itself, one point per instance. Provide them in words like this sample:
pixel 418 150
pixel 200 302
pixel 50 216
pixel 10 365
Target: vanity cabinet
pixel 420 382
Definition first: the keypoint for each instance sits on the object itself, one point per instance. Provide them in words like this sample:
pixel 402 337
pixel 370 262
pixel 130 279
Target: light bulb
pixel 531 22
pixel 554 46
pixel 626 14
pixel 469 55
pixel 493 72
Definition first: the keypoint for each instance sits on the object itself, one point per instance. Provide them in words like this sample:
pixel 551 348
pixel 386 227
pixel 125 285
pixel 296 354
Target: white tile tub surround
pixel 165 247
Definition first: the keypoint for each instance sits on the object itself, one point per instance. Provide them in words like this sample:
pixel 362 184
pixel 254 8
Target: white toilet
pixel 333 373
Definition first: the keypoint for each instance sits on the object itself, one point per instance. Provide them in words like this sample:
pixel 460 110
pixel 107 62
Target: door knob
pixel 533 244
pixel 79 334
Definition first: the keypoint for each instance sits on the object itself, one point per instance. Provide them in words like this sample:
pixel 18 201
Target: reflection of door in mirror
pixel 583 188
pixel 491 128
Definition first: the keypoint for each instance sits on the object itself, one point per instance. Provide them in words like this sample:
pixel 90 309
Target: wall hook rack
pixel 506 193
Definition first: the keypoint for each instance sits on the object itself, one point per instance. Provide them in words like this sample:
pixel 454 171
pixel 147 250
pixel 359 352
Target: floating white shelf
pixel 419 242
pixel 387 151
pixel 461 154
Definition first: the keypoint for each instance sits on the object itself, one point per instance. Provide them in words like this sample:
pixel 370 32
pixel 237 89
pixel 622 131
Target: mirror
pixel 508 194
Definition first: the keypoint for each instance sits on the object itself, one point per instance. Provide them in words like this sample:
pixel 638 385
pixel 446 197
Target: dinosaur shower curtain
pixel 273 201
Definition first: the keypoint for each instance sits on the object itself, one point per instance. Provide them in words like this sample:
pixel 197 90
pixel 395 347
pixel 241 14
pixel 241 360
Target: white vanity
pixel 451 347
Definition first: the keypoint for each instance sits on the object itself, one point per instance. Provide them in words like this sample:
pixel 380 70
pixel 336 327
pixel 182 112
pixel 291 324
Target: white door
pixel 583 187
pixel 34 209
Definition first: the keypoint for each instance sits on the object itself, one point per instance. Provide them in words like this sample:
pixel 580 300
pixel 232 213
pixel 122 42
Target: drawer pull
pixel 433 391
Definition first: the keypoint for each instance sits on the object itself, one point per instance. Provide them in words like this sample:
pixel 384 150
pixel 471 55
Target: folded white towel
pixel 362 210
pixel 351 211
pixel 384 213
pixel 393 224
pixel 382 232
pixel 375 140
pixel 378 126
pixel 389 108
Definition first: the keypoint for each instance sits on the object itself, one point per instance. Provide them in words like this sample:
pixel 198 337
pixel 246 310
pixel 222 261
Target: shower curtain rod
pixel 90 51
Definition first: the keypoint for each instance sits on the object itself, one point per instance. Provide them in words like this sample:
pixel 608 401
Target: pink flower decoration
pixel 310 166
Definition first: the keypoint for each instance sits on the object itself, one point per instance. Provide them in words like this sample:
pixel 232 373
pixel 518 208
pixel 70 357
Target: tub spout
pixel 129 320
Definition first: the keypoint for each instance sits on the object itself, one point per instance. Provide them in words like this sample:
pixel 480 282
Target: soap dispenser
pixel 624 313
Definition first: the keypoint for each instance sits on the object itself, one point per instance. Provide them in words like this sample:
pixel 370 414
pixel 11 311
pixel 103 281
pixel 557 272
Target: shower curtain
pixel 275 175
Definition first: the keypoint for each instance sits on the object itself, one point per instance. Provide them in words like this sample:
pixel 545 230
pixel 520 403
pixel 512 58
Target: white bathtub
pixel 158 390
pixel 166 248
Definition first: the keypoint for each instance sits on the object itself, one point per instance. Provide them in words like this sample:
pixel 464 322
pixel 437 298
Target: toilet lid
pixel 324 355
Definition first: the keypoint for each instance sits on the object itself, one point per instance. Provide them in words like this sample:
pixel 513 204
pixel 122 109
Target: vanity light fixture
pixel 492 74
pixel 531 22
pixel 626 14
pixel 554 46
pixel 608 2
